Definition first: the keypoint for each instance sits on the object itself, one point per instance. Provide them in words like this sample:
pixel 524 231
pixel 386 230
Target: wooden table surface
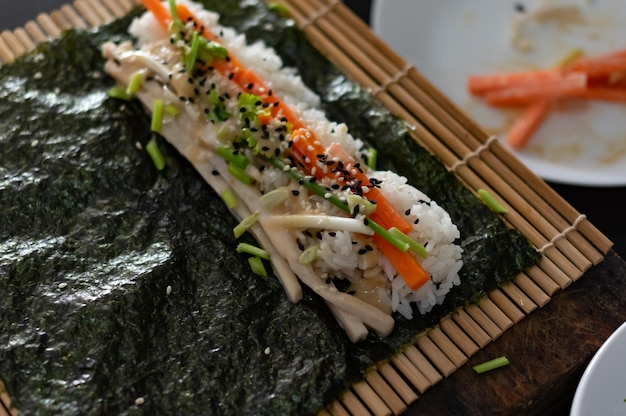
pixel 548 351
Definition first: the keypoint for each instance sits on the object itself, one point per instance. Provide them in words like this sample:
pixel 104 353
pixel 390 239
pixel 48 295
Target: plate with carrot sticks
pixel 548 78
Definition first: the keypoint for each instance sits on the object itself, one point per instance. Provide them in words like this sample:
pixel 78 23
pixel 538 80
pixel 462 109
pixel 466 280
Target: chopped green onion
pixel 309 255
pixel 211 51
pixel 119 92
pixel 240 174
pixel 365 207
pixel 491 365
pixel 229 199
pixel 218 113
pixel 157 115
pixel 171 110
pixel 192 56
pixel 279 9
pixel 135 83
pixel 396 242
pixel 155 154
pixel 372 156
pixel 253 250
pixel 490 201
pixel 234 157
pixel 245 224
pixel 415 246
pixel 256 264
pixel 320 190
pixel 274 198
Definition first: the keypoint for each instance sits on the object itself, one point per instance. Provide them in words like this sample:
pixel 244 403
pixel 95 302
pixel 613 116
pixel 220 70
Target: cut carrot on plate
pixel 601 78
pixel 526 125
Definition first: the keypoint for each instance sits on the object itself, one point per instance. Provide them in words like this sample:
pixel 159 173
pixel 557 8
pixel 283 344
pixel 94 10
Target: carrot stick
pixel 160 12
pixel 306 147
pixel 526 125
pixel 406 265
pixel 597 67
pixel 481 84
pixel 612 94
pixel 566 86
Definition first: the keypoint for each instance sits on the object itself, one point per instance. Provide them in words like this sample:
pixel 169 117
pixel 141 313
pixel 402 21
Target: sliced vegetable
pixel 491 365
pixel 565 86
pixel 136 80
pixel 155 154
pixel 416 246
pixel 309 255
pixel 490 201
pixel 257 267
pixel 245 224
pixel 527 124
pixel 253 250
pixel 119 92
pixel 229 198
pixel 157 116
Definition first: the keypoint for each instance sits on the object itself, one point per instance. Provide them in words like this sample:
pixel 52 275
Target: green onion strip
pixel 318 189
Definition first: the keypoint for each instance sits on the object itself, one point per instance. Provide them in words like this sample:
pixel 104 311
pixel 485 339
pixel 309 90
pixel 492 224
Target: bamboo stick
pixel 518 297
pixel 12 43
pixel 484 321
pixel 532 289
pixel 87 13
pixel 410 372
pixel 460 338
pixel 352 404
pixel 73 17
pixel 386 392
pixel 48 25
pixel 60 19
pixel 371 399
pixel 435 355
pixel 24 39
pixel 422 363
pixel 337 409
pixel 447 347
pixel 506 305
pixel 395 380
pixel 471 327
pixel 35 31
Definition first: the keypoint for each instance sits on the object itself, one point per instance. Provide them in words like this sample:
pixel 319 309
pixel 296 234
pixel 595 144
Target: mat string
pixel 313 17
pixel 394 79
pixel 474 154
pixel 563 233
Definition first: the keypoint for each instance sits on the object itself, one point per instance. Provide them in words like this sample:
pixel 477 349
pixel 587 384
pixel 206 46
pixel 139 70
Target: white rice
pixel 341 254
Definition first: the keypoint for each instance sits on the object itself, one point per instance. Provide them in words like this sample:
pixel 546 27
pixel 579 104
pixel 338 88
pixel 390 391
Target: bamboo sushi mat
pixel 569 242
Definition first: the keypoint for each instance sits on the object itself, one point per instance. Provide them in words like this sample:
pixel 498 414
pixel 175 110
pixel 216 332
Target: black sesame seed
pixel 362 251
pixel 369 248
pixel 332 234
pixel 519 7
pixel 277 152
pixel 295 192
pixel 231 75
pixel 215 173
pixel 351 292
pixel 318 235
pixel 300 246
pixel 250 85
pixel 407 212
pixel 417 220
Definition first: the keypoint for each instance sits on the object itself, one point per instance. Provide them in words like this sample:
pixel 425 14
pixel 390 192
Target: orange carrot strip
pixel 481 84
pixel 526 125
pixel 613 94
pixel 407 266
pixel 160 12
pixel 567 85
pixel 597 67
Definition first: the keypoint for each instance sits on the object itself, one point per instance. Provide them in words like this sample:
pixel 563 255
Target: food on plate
pixel 300 183
pixel 126 288
pixel 577 77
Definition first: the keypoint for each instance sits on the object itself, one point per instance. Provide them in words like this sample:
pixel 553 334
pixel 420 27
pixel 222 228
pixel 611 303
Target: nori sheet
pixel 92 236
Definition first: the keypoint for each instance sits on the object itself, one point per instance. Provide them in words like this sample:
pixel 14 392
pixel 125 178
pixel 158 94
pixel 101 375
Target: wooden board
pixel 570 244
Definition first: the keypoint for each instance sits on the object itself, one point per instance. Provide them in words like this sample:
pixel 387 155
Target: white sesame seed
pixel 38 75
pixel 286 168
pixel 34 143
pixel 139 401
pixel 168 290
pixel 62 285
pixel 327 195
pixel 267 351
pixel 138 145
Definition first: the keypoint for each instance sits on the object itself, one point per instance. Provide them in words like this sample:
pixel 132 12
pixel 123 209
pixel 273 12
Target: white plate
pixel 602 388
pixel 583 144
